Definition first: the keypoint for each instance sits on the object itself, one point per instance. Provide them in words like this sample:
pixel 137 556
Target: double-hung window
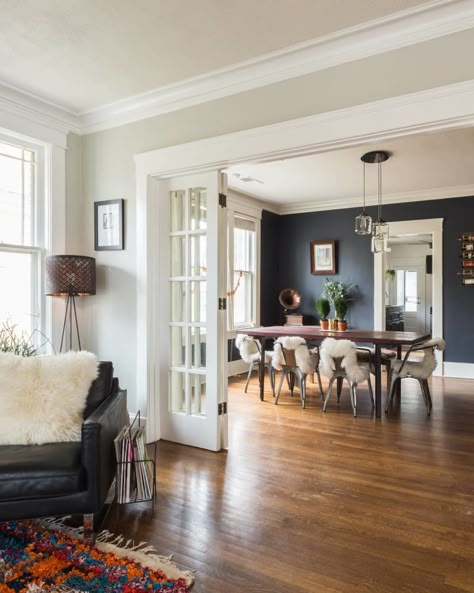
pixel 242 292
pixel 21 236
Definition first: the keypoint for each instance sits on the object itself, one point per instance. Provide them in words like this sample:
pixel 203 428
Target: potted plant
pixel 336 289
pixel 340 306
pixel 323 307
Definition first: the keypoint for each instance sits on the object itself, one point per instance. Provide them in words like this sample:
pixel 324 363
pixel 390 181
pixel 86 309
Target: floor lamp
pixel 70 276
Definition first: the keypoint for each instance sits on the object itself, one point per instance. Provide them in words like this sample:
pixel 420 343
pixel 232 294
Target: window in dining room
pixel 242 297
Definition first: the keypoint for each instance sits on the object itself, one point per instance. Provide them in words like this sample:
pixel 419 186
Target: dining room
pixel 311 241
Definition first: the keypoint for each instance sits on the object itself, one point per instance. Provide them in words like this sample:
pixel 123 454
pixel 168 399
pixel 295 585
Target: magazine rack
pixel 136 469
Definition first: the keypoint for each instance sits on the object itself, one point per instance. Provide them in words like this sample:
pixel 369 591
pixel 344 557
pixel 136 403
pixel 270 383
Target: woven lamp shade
pixel 70 275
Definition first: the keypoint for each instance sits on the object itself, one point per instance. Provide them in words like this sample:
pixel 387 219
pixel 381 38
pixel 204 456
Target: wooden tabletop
pixel 314 332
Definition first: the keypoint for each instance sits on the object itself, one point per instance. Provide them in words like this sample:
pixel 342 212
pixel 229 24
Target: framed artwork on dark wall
pixel 108 225
pixel 323 257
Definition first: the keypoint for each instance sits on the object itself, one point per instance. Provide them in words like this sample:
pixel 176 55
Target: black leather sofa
pixel 67 478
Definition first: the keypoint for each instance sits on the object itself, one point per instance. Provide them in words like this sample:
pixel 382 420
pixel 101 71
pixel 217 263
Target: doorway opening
pixel 408 284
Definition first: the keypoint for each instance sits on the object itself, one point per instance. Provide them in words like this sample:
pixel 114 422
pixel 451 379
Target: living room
pixel 121 130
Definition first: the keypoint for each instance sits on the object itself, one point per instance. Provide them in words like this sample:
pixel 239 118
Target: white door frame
pixel 436 109
pixel 434 227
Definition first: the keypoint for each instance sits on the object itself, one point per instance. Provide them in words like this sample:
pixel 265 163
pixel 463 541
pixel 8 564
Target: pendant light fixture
pixel 380 230
pixel 363 222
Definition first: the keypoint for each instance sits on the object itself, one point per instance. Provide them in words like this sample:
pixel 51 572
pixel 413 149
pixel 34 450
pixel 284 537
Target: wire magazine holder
pixel 136 469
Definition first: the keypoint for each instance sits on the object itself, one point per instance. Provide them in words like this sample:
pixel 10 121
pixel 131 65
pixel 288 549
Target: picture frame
pixel 323 257
pixel 108 225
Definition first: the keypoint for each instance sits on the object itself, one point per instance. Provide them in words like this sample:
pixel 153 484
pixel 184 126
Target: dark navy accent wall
pixel 270 310
pixel 293 233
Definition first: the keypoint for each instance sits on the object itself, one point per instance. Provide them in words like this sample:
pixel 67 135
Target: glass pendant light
pixel 380 229
pixel 363 222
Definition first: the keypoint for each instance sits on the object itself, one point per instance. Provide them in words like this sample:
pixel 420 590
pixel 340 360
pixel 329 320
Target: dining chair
pixel 250 351
pixel 421 370
pixel 294 359
pixel 338 362
pixel 367 355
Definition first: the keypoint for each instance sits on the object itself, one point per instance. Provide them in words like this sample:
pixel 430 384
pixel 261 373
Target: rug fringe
pixel 143 552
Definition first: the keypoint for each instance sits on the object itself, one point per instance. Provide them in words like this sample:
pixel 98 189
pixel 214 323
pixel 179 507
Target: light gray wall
pixel 109 319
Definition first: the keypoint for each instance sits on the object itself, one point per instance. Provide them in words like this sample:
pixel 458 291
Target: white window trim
pixel 244 206
pixel 51 221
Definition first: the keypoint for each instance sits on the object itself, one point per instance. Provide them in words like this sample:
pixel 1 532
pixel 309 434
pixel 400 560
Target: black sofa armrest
pixel 98 452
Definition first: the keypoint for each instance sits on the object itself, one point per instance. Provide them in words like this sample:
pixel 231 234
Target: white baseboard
pixel 237 367
pixel 460 370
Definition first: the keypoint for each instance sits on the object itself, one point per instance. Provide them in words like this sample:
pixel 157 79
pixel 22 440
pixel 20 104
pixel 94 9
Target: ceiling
pixel 419 163
pixel 83 54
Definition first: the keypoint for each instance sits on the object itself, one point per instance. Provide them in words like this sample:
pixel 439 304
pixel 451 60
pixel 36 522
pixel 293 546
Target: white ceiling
pixel 82 54
pixel 419 163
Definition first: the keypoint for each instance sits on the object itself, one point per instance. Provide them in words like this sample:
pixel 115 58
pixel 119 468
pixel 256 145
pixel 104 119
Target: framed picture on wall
pixel 323 257
pixel 108 225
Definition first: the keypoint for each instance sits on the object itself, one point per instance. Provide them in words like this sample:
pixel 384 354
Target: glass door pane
pixel 188 310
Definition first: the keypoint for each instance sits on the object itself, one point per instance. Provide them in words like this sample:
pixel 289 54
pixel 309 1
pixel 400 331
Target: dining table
pixel 313 333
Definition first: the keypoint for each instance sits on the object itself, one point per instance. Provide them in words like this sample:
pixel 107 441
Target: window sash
pixel 243 263
pixel 36 239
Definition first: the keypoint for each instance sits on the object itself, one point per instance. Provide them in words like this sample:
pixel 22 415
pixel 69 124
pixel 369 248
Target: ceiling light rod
pixel 380 230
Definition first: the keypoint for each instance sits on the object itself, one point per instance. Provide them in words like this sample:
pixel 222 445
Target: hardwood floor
pixel 322 503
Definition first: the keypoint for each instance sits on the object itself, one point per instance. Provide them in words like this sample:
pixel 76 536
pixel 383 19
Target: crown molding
pixel 401 29
pixel 422 23
pixel 440 193
pixel 26 105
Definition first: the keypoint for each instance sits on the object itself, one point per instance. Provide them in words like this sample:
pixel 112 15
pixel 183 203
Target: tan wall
pixel 109 319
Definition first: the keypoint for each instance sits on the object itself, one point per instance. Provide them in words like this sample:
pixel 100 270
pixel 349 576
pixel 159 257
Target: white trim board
pixel 447 107
pixel 458 370
pixel 401 29
pixel 441 193
pixel 434 227
pixel 237 367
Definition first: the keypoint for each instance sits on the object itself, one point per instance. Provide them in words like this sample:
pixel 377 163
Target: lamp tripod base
pixel 70 308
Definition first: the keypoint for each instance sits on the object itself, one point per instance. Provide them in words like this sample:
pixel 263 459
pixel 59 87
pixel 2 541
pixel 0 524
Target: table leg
pixel 261 369
pixel 399 383
pixel 378 380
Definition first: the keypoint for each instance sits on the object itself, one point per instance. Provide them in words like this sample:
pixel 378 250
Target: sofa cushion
pixel 36 471
pixel 42 398
pixel 100 388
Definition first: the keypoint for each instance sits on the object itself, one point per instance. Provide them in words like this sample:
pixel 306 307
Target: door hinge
pixel 222 304
pixel 222 200
pixel 222 408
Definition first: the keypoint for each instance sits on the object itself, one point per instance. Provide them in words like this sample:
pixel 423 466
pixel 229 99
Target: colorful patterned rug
pixel 34 558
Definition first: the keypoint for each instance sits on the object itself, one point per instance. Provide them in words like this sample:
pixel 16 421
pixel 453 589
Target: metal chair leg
pixel 292 382
pixel 371 392
pixel 271 375
pixel 354 398
pixel 391 392
pixel 425 390
pixel 248 378
pixel 320 384
pixel 282 378
pixel 428 396
pixel 339 388
pixel 302 386
pixel 328 393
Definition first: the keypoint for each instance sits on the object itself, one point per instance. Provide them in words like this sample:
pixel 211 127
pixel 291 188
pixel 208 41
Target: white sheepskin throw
pixel 304 360
pixel 248 348
pixel 42 398
pixel 347 352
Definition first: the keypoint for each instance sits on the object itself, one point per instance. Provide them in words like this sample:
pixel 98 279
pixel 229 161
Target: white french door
pixel 192 316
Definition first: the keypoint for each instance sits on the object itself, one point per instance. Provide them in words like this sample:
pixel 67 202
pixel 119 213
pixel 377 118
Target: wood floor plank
pixel 322 503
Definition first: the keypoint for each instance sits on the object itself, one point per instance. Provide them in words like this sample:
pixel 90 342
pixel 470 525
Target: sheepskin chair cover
pixel 304 360
pixel 248 348
pixel 42 398
pixel 346 350
pixel 421 369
